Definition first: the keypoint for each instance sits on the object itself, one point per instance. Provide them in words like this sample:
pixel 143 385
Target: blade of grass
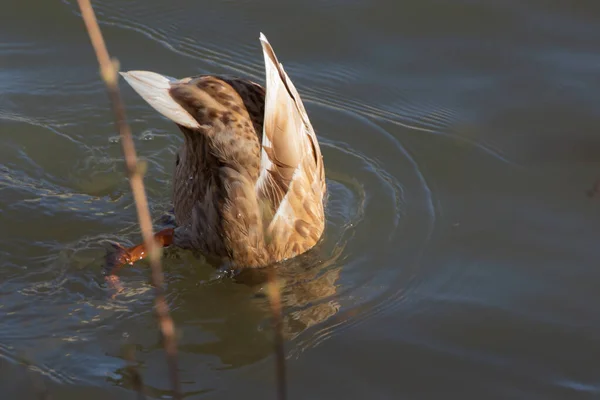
pixel 108 71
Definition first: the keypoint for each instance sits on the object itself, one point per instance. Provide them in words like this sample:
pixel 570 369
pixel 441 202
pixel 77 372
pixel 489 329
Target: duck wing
pixel 292 177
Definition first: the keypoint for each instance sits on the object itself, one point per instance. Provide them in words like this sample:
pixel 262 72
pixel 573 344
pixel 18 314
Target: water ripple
pixel 420 117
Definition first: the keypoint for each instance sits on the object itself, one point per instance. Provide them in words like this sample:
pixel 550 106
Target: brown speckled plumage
pixel 249 180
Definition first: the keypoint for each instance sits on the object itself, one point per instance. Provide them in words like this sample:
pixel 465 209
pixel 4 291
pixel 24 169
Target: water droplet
pixel 147 135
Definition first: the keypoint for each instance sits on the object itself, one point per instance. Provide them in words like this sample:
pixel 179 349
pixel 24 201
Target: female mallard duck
pixel 249 182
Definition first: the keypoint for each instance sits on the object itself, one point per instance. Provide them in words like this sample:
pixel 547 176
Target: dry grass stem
pixel 274 294
pixel 109 73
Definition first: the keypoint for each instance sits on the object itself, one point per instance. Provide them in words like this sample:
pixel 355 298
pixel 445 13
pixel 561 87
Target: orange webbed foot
pixel 119 256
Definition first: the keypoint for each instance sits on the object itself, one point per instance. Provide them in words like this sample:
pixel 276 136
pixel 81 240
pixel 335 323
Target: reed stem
pixel 109 72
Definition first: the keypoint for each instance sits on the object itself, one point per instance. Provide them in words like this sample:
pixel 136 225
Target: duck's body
pixel 249 182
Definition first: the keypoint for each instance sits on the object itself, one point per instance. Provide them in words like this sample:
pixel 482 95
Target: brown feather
pixel 249 180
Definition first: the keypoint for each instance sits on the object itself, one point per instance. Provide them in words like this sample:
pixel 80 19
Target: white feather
pixel 154 88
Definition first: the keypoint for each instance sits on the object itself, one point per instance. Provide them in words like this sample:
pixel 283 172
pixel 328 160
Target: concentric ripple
pixel 58 313
pixel 376 199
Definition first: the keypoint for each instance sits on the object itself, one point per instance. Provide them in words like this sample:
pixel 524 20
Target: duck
pixel 249 180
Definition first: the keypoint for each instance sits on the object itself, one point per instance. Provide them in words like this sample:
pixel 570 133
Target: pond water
pixel 460 257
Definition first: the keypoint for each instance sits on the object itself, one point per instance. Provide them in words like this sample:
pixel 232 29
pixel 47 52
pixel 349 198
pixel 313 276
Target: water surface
pixel 460 257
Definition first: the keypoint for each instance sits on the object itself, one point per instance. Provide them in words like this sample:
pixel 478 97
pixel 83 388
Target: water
pixel 460 258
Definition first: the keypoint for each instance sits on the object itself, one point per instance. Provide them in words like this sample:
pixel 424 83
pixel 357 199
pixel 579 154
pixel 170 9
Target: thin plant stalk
pixel 133 372
pixel 109 72
pixel 274 294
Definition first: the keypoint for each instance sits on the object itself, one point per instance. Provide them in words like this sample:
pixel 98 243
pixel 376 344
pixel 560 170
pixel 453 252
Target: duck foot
pixel 119 256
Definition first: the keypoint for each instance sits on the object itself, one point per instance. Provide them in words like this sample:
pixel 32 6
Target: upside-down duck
pixel 249 181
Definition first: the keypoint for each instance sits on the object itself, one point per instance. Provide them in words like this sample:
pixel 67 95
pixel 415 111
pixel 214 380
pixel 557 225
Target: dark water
pixel 460 138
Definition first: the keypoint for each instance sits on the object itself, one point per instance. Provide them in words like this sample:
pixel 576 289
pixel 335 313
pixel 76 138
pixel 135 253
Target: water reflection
pixel 226 314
